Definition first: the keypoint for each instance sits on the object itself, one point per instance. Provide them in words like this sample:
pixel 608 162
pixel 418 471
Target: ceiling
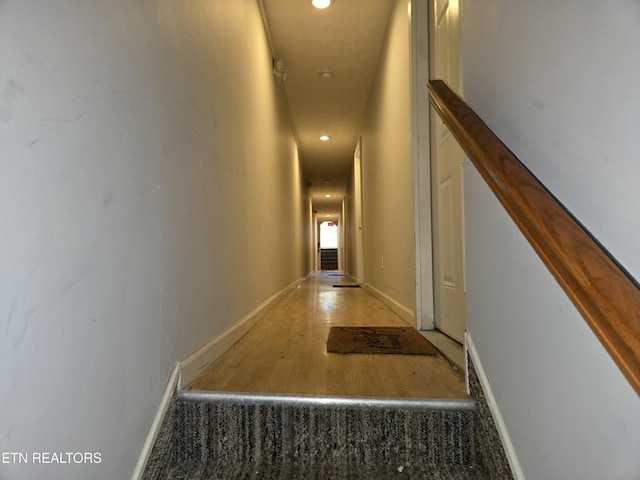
pixel 344 39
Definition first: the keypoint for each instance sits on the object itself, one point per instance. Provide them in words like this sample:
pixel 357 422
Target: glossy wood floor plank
pixel 286 351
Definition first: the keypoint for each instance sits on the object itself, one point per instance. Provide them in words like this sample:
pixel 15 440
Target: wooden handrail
pixel 601 290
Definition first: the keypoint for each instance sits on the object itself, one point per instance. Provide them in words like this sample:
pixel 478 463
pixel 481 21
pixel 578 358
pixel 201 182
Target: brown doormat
pixel 398 340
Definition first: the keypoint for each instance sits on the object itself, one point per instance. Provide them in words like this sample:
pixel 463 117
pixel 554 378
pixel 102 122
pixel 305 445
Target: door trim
pixel 359 213
pixel 421 155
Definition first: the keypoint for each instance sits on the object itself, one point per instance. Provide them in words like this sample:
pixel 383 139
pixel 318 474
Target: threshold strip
pixel 302 400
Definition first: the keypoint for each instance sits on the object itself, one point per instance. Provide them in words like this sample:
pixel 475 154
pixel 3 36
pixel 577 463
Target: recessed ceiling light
pixel 328 216
pixel 327 196
pixel 321 3
pixel 326 74
pixel 324 138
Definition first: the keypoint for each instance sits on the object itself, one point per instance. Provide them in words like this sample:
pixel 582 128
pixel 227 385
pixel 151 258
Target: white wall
pixel 150 197
pixel 558 82
pixel 387 168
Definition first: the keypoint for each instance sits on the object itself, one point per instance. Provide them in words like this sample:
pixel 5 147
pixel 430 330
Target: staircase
pixel 212 435
pixel 329 259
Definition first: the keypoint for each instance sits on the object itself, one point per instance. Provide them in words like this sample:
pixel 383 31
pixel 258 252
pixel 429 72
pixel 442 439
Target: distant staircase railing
pixel 606 296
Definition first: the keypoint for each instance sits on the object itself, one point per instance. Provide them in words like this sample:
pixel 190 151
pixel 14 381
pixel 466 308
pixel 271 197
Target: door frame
pixel 358 213
pixel 420 42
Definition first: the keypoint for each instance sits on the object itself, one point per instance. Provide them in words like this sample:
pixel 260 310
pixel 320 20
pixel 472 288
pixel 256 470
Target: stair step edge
pixel 307 400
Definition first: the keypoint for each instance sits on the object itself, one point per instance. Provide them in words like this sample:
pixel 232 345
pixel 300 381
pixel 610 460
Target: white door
pixel 447 174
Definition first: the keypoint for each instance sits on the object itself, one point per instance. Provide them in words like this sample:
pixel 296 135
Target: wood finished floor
pixel 286 351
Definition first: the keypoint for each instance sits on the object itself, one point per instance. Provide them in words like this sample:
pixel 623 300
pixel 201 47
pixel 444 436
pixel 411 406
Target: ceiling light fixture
pixel 324 138
pixel 321 3
pixel 326 74
pixel 327 196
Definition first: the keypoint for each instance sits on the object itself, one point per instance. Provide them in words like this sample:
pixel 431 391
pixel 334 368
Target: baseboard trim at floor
pixel 188 369
pixel 193 365
pixel 505 438
pixel 171 389
pixel 403 312
pixel 295 400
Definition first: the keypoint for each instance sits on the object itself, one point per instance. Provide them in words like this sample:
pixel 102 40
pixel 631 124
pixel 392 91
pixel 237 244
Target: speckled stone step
pixel 227 436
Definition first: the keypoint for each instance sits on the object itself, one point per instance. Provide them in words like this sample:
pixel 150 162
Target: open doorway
pixel 329 246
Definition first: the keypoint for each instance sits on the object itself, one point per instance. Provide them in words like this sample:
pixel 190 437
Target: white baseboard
pixel 172 386
pixel 403 312
pixel 188 369
pixel 510 451
pixel 193 365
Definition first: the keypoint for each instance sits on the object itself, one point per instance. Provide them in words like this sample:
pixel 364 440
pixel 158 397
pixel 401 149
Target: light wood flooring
pixel 285 353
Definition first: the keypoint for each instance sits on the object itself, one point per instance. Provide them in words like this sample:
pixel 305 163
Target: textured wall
pixel 559 85
pixel 150 197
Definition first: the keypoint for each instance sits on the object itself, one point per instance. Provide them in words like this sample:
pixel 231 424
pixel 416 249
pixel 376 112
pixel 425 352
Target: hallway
pixel 286 351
